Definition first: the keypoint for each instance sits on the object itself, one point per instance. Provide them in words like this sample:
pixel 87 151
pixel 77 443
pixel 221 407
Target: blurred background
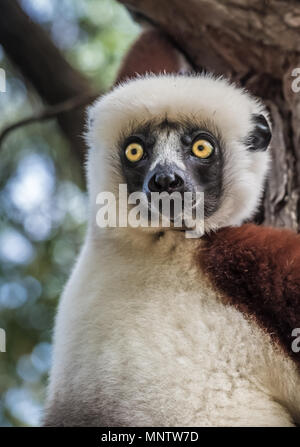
pixel 58 56
pixel 42 195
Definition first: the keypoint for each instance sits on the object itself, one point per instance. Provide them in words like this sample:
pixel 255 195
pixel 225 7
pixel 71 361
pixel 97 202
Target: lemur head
pixel 178 133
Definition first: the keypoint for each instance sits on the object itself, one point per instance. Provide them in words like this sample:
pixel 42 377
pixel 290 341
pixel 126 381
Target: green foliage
pixel 42 198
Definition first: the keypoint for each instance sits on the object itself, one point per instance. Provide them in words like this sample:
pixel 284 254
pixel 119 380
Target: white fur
pixel 142 337
pixel 213 102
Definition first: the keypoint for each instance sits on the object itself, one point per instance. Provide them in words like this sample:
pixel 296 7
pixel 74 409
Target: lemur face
pixel 182 134
pixel 174 156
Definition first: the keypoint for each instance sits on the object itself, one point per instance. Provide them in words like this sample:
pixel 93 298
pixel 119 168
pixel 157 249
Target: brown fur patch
pixel 152 52
pixel 258 268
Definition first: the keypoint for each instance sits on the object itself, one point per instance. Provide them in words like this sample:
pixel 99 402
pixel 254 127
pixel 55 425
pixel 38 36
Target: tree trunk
pixel 257 44
pixel 43 65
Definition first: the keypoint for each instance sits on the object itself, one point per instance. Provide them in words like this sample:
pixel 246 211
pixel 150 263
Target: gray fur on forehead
pixel 183 124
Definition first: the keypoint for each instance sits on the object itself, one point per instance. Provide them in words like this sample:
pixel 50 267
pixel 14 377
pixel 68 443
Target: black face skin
pixel 201 174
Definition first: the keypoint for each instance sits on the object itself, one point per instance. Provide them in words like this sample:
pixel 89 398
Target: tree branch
pixel 50 112
pixel 44 66
pixel 223 35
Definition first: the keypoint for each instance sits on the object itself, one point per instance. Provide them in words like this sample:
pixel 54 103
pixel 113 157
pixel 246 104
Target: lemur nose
pixel 166 181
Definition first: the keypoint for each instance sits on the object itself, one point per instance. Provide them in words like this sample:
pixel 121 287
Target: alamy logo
pixel 2 81
pixel 296 82
pixel 156 210
pixel 296 342
pixel 2 340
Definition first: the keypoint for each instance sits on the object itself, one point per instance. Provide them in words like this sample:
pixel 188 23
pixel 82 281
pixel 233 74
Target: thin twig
pixel 50 112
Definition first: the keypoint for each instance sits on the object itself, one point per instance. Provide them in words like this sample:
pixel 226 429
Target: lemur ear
pixel 260 137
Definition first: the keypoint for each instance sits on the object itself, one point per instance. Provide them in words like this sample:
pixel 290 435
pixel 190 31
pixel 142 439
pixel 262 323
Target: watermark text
pixel 296 342
pixel 183 211
pixel 296 81
pixel 2 81
pixel 2 340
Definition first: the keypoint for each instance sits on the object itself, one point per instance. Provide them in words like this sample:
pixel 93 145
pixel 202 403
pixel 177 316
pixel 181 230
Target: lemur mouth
pixel 178 212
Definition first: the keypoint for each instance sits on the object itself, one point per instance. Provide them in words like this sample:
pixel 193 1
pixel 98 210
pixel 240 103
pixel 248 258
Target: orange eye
pixel 202 149
pixel 134 152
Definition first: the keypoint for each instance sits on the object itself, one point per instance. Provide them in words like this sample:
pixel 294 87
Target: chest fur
pixel 156 344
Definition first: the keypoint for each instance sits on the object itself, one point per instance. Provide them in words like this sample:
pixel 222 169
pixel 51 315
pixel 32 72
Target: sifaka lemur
pixel 156 329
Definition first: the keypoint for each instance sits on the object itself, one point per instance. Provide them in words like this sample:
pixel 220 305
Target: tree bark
pixel 257 44
pixel 43 65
